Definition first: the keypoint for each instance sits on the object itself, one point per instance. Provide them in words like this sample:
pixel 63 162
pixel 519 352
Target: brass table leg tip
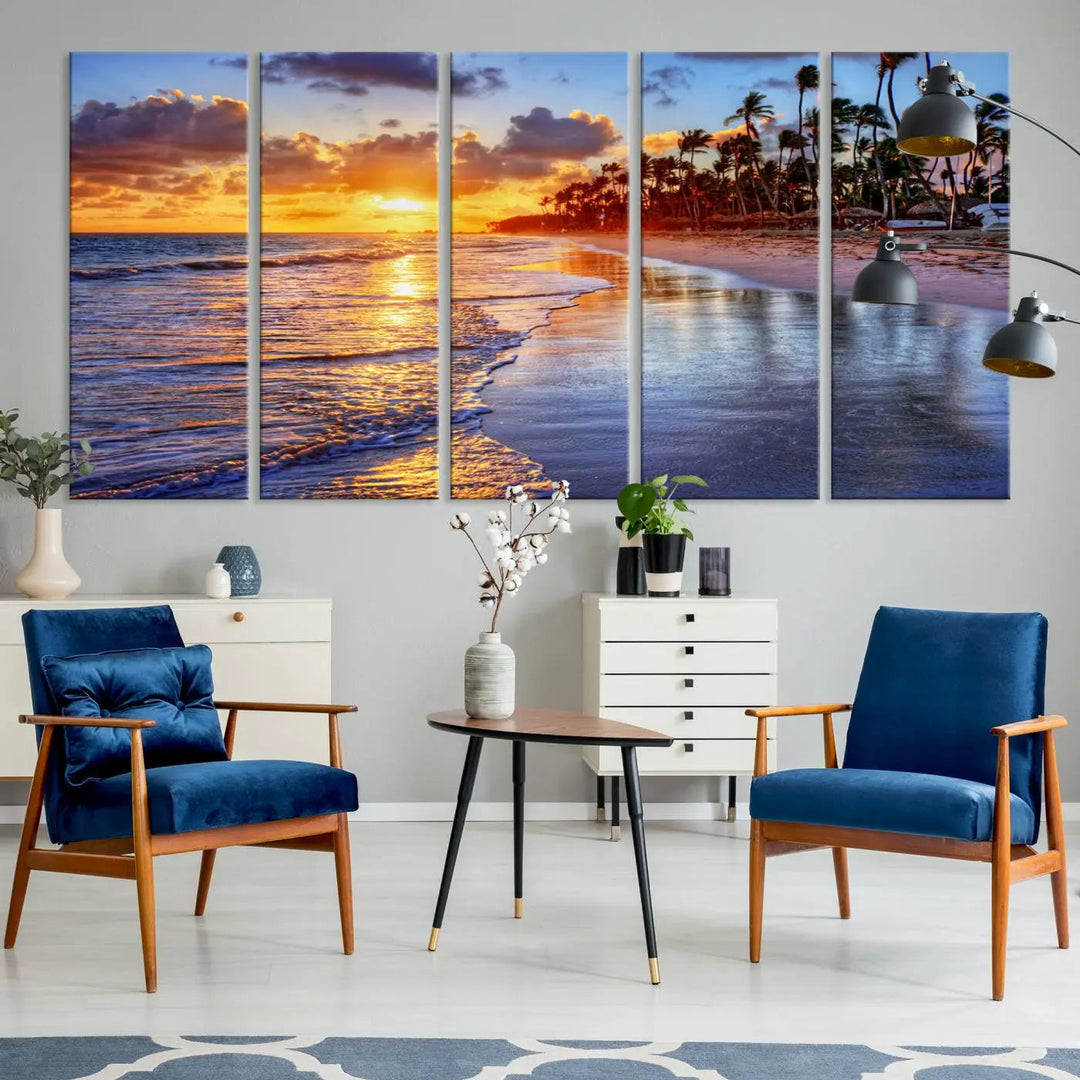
pixel 519 907
pixel 615 831
pixel 600 814
pixel 654 971
pixel 433 940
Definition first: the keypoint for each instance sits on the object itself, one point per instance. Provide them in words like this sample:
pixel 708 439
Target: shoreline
pixel 789 260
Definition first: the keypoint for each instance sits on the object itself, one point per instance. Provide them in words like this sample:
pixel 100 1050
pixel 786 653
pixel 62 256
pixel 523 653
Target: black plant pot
pixel 664 555
pixel 630 569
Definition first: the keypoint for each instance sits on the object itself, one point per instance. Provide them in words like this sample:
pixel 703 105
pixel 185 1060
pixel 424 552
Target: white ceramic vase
pixel 48 575
pixel 489 678
pixel 218 582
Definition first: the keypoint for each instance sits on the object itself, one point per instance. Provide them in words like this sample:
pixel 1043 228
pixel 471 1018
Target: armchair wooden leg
pixel 144 862
pixel 343 867
pixel 839 859
pixel 27 840
pixel 757 887
pixel 206 871
pixel 1000 871
pixel 1055 834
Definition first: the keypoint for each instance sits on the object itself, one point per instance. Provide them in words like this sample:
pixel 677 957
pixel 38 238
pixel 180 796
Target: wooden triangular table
pixel 547 726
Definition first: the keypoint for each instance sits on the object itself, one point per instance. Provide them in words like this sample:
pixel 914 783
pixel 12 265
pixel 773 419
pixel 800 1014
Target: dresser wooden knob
pixel 238 616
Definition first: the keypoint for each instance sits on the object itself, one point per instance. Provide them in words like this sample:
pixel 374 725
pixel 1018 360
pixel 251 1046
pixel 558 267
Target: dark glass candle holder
pixel 714 571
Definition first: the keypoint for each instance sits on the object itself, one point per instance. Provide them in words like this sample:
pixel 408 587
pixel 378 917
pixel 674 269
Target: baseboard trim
pixel 544 811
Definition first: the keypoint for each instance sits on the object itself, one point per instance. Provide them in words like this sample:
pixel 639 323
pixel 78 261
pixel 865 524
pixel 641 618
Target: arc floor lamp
pixel 939 124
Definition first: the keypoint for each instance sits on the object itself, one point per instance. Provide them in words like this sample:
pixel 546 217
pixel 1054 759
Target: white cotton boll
pixel 494 535
pixel 487 601
pixel 497 517
pixel 485 580
pixel 541 558
pixel 563 526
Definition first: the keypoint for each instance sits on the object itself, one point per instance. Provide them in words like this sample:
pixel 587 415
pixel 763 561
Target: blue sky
pixel 123 76
pixel 681 91
pixel 854 75
pixel 561 82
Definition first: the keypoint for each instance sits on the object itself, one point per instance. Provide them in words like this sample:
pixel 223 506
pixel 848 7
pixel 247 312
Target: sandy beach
pixel 789 260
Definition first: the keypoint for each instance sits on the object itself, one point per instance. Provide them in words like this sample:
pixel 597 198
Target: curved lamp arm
pixel 964 90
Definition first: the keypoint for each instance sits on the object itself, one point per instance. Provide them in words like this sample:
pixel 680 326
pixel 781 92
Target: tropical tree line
pixel 874 180
pixel 704 183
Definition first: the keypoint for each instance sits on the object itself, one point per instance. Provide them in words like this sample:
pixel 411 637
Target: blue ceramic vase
pixel 239 560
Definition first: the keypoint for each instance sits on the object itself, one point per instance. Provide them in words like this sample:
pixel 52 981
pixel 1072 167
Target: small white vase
pixel 48 575
pixel 489 678
pixel 218 582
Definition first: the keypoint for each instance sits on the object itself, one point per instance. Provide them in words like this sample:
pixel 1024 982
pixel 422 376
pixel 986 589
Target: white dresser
pixel 266 648
pixel 687 666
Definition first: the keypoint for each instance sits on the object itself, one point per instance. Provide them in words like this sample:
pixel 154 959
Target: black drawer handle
pixel 688 715
pixel 690 616
pixel 688 748
pixel 688 683
pixel 689 650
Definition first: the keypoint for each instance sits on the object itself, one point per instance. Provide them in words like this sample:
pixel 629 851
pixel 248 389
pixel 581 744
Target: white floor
pixel 912 966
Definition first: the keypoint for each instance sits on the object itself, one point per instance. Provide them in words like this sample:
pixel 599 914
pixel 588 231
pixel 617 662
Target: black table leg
pixel 468 778
pixel 615 800
pixel 731 798
pixel 637 828
pixel 599 798
pixel 519 827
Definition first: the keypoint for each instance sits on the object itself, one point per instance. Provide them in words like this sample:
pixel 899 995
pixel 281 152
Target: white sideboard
pixel 687 666
pixel 266 648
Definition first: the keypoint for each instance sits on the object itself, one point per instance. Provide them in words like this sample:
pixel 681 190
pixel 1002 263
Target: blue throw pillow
pixel 172 686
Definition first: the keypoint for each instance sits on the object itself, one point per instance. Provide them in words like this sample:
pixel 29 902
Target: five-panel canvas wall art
pixel 341 246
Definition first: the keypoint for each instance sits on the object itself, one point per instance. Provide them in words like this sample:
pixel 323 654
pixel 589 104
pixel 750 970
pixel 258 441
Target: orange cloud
pixel 176 161
pixel 667 142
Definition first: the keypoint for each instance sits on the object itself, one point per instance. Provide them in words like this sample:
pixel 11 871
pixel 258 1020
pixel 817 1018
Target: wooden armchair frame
pixel 132 857
pixel 1009 862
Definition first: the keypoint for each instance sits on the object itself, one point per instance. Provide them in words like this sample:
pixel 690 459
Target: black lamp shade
pixel 885 282
pixel 1024 348
pixel 939 124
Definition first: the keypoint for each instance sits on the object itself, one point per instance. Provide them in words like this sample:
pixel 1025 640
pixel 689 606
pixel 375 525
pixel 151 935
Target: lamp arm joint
pixel 963 90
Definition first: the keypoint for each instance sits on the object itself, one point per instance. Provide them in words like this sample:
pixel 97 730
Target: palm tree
pixel 890 62
pixel 790 141
pixel 690 142
pixel 807 78
pixel 990 137
pixel 753 107
pixel 729 149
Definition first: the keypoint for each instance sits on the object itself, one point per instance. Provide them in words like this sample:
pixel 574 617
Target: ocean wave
pixel 237 262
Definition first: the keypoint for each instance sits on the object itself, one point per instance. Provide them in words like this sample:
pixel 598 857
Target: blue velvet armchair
pixel 132 764
pixel 947 749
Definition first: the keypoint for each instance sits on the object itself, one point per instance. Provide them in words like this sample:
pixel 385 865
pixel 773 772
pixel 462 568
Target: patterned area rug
pixel 295 1058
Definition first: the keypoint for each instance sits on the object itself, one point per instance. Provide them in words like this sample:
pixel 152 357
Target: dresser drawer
pixel 681 657
pixel 687 691
pixel 214 621
pixel 654 619
pixel 709 757
pixel 696 723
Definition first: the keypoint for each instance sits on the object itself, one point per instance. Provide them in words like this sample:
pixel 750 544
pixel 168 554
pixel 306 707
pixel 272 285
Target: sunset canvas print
pixel 729 215
pixel 539 305
pixel 349 361
pixel 158 290
pixel 915 414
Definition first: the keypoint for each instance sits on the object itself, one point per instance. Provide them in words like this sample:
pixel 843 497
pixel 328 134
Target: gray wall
pixel 402 584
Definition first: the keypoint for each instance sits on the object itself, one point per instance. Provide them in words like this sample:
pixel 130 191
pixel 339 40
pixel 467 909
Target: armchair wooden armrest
pixel 797 710
pixel 282 706
pixel 331 712
pixel 761 761
pixel 1029 727
pixel 87 721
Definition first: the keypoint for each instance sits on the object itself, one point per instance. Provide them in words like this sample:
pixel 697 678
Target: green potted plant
pixel 653 510
pixel 39 466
